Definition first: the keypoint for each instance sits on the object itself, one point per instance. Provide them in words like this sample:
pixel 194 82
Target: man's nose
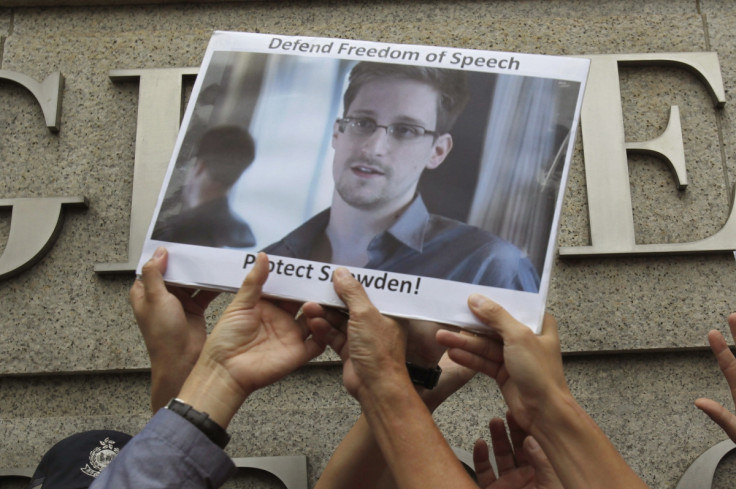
pixel 377 143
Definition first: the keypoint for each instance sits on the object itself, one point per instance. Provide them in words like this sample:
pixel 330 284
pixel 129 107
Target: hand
pixel 527 367
pixel 395 421
pixel 255 343
pixel 171 320
pixel 726 361
pixel 521 463
pixel 372 347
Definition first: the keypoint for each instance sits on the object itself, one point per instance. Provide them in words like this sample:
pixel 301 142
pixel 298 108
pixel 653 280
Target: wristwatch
pixel 426 377
pixel 212 430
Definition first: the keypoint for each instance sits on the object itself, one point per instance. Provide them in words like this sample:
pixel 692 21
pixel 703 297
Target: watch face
pixel 426 377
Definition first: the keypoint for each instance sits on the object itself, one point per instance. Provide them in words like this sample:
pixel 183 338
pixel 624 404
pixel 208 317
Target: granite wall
pixel 633 328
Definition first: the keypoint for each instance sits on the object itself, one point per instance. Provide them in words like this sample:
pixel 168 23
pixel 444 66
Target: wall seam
pixel 2 39
pixel 719 121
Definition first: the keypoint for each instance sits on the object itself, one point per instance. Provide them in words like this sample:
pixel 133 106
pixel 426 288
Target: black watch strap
pixel 212 430
pixel 426 377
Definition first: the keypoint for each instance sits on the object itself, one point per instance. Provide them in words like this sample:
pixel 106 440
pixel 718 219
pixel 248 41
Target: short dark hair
pixel 226 151
pixel 451 86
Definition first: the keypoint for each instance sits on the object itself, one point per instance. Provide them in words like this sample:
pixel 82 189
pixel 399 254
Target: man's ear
pixel 335 132
pixel 440 149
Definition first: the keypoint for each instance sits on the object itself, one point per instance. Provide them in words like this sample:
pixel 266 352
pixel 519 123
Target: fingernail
pixel 476 300
pixel 341 273
pixel 159 252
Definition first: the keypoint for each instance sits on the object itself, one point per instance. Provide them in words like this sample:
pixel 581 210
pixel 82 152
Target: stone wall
pixel 633 328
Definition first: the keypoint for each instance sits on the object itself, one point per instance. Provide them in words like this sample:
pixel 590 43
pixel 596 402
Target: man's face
pixel 377 171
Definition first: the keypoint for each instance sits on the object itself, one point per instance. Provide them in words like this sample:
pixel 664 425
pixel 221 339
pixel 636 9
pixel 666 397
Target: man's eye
pixel 405 131
pixel 363 124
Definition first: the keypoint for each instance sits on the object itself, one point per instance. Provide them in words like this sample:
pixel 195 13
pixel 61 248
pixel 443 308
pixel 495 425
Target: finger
pixel 549 328
pixel 313 309
pixel 725 358
pixel 717 342
pixel 482 346
pixel 732 324
pixel 325 334
pixel 312 349
pixel 719 414
pixel 474 362
pixel 493 315
pixel 544 472
pixel 351 292
pixel 518 436
pixel 482 464
pixel 152 273
pixel 250 292
pixel 336 317
pixel 501 446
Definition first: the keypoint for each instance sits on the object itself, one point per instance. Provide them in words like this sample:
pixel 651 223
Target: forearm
pixel 357 462
pixel 581 454
pixel 412 445
pixel 166 382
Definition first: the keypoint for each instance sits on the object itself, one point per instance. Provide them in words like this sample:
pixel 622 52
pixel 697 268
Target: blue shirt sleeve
pixel 169 452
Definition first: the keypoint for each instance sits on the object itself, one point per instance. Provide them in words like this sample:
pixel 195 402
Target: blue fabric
pixel 170 452
pixel 428 245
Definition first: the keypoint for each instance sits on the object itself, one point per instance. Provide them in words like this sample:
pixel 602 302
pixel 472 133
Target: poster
pixel 430 172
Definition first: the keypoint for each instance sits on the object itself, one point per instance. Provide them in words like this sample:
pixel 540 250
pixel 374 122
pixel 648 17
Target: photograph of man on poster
pixel 429 182
pixel 396 124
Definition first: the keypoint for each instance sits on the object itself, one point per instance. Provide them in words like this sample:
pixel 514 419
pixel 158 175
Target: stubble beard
pixel 363 194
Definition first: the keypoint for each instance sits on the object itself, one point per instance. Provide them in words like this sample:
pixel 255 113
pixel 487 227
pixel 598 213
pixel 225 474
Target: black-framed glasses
pixel 400 131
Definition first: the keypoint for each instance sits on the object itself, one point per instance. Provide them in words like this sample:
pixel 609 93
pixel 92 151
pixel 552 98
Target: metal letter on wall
pixel 35 222
pixel 34 226
pixel 606 165
pixel 159 117
pixel 290 470
pixel 700 474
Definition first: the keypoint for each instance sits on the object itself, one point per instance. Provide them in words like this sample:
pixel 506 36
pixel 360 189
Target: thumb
pixel 545 474
pixel 152 273
pixel 350 291
pixel 250 292
pixel 492 314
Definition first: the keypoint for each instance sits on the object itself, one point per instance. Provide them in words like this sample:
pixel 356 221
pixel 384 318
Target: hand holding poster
pixel 431 173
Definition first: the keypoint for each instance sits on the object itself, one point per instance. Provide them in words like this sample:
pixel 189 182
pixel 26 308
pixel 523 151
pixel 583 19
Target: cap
pixel 75 462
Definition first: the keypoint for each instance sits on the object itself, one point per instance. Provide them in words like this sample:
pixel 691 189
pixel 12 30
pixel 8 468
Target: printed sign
pixel 431 173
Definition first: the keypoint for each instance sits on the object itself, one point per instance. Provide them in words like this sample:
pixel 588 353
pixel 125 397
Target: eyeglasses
pixel 399 131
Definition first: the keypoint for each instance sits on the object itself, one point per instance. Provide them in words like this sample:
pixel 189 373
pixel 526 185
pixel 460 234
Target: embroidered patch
pixel 100 457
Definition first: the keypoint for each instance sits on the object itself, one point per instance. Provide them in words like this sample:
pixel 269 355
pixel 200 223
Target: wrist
pixel 209 388
pixel 558 416
pixel 201 421
pixel 385 387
